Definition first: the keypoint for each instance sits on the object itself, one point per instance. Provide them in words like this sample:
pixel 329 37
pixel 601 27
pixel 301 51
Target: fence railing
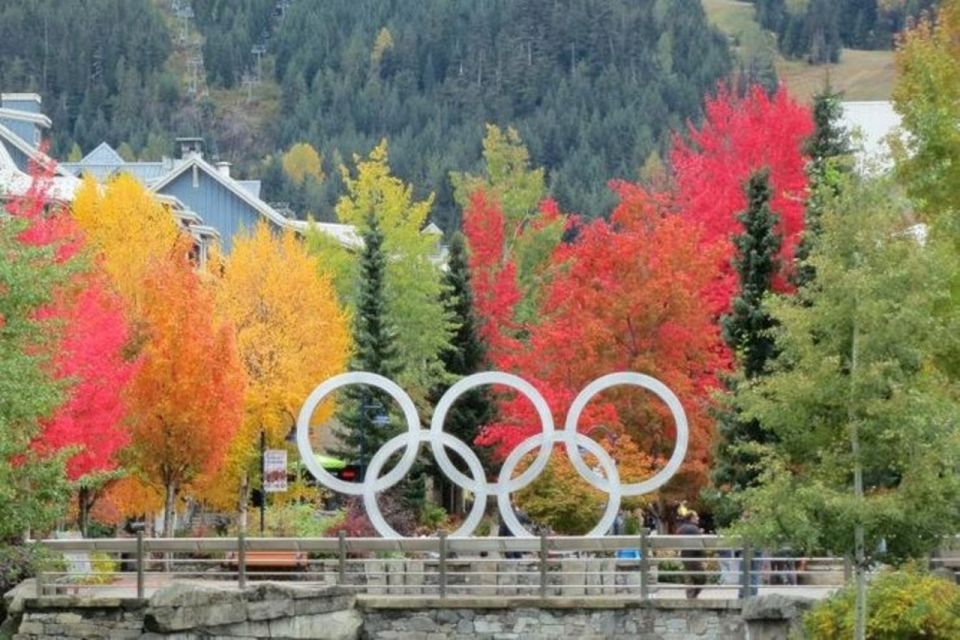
pixel 638 567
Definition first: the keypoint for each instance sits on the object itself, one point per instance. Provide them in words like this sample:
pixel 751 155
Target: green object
pixel 858 394
pixel 467 355
pixel 375 340
pixel 329 463
pixel 33 488
pixel 829 149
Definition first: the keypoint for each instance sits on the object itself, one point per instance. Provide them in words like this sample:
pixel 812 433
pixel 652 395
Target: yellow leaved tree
pixel 292 335
pixel 302 161
pixel 927 96
pixel 129 228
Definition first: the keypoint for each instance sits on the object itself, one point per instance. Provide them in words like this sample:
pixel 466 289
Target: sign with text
pixel 275 470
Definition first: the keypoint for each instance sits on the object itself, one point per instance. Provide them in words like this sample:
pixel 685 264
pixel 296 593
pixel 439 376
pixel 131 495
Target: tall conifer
pixel 747 330
pixel 375 351
pixel 468 355
pixel 829 143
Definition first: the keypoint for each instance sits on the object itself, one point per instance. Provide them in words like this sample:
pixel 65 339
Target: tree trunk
pixel 859 551
pixel 84 503
pixel 244 501
pixel 168 509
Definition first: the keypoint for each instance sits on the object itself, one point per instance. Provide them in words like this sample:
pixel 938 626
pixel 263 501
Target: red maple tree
pixel 628 299
pixel 496 292
pixel 740 135
pixel 88 353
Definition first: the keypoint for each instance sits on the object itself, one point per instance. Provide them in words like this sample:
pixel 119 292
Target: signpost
pixel 274 470
pixel 273 475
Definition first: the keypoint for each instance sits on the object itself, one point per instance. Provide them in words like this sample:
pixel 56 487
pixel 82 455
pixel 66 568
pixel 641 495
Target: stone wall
pixel 292 611
pixel 193 610
pixel 677 620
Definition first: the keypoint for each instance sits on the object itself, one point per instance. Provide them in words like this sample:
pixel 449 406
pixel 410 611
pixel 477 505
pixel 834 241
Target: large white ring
pixel 380 458
pixel 477 380
pixel 661 391
pixel 325 389
pixel 439 441
pixel 546 443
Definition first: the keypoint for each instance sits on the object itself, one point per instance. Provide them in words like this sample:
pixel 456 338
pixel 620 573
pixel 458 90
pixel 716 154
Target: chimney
pixel 223 168
pixel 190 146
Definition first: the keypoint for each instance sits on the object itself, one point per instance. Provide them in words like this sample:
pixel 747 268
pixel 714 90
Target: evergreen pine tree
pixel 359 432
pixel 829 143
pixel 475 408
pixel 747 330
pixel 830 139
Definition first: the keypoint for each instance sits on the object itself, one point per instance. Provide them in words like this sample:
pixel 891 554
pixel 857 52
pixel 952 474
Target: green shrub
pixel 22 561
pixel 908 603
pixel 300 521
pixel 664 567
pixel 433 516
pixel 19 562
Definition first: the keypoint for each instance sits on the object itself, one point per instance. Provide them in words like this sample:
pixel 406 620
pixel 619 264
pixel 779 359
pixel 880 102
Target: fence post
pixel 140 566
pixel 543 565
pixel 341 557
pixel 644 566
pixel 847 570
pixel 242 559
pixel 746 562
pixel 443 564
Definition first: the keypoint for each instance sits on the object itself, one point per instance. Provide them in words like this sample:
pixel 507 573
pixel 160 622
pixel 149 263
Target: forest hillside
pixel 592 86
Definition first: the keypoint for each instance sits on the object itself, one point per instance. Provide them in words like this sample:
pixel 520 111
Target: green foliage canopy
pixel 857 386
pixel 33 489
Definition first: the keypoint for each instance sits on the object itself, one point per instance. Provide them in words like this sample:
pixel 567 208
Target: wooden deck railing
pixel 640 567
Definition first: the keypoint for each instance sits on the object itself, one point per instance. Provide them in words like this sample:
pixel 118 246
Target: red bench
pixel 270 560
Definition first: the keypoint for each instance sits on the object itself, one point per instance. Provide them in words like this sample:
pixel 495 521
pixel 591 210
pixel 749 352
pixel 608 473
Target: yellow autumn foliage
pixel 292 335
pixel 129 228
pixel 302 161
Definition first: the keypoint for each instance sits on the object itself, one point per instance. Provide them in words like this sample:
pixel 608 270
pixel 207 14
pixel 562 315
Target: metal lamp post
pixel 374 414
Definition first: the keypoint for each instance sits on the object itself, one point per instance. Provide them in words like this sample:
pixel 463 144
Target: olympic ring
pixel 328 387
pixel 439 441
pixel 476 380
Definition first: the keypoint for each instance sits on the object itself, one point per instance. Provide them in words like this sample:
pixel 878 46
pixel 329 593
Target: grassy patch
pixel 860 75
pixel 733 17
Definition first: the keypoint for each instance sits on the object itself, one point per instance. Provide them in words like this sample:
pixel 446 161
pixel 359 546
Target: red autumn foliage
pixel 88 353
pixel 90 356
pixel 643 292
pixel 739 136
pixel 493 277
pixel 628 299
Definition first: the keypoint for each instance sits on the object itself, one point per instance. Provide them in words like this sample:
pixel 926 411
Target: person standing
pixel 691 558
pixel 505 531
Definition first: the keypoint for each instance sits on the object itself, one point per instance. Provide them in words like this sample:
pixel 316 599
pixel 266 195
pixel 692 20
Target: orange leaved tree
pixel 186 400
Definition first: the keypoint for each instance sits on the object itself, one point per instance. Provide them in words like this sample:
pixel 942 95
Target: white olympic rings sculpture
pixel 412 438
